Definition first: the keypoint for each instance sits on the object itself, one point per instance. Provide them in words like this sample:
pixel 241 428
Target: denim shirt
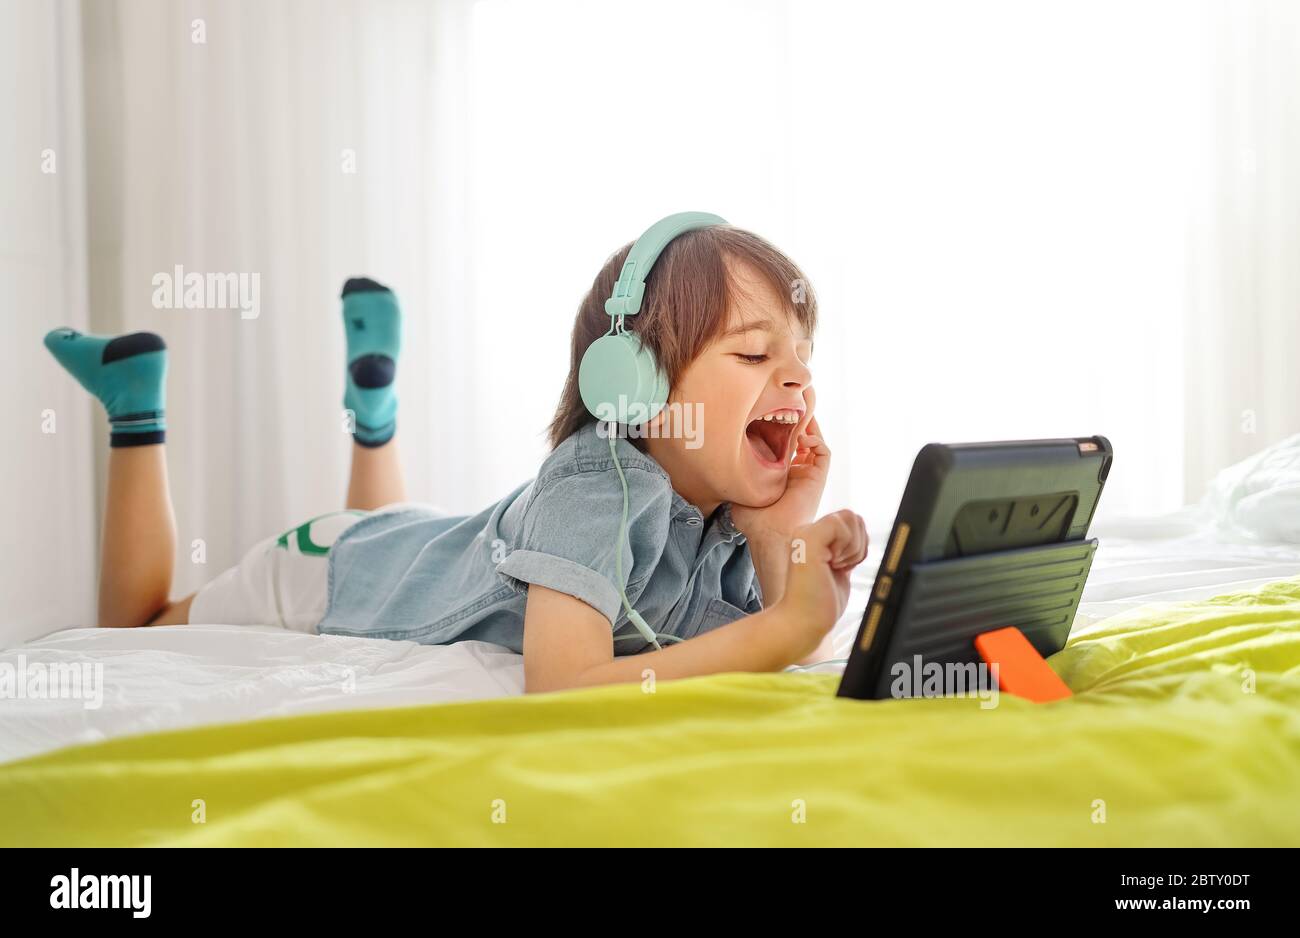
pixel 423 576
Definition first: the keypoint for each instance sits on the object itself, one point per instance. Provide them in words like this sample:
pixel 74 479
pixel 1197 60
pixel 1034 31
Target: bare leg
pixel 376 478
pixel 177 613
pixel 139 545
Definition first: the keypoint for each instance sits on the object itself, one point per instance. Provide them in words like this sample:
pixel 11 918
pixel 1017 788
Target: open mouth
pixel 769 439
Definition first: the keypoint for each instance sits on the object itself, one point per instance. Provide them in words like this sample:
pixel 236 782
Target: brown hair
pixel 687 296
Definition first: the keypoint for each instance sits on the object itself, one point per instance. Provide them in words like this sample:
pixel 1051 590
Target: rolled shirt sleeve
pixel 570 531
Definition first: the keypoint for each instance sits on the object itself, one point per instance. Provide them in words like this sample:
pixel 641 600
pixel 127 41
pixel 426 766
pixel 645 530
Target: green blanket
pixel 1185 730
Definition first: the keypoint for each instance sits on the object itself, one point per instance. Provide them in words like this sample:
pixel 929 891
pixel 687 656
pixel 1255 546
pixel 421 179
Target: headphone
pixel 620 380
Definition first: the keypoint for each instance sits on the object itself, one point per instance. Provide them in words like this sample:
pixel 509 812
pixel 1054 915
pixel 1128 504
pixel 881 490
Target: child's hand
pixel 804 485
pixel 817 586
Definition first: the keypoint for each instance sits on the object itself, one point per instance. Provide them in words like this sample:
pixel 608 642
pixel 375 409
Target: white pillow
pixel 1260 496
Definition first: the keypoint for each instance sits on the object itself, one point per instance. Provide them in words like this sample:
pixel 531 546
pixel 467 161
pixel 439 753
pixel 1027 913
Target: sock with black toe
pixel 127 373
pixel 373 324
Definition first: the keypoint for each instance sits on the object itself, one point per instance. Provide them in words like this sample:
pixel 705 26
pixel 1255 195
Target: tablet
pixel 988 535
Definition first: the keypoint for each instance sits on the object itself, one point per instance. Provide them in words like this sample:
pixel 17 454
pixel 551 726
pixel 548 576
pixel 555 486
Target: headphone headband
pixel 619 378
pixel 625 300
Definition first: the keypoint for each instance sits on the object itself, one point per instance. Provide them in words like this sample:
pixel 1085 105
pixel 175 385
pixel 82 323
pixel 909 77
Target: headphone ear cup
pixel 652 381
pixel 619 379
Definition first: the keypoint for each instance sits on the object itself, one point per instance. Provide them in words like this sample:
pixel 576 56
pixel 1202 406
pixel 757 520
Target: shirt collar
pixel 684 511
pixel 725 523
pixel 720 524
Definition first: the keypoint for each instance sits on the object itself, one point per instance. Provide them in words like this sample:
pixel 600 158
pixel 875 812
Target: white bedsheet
pixel 179 676
pixel 187 675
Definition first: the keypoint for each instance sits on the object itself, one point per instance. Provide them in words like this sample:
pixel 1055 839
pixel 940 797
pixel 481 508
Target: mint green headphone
pixel 619 379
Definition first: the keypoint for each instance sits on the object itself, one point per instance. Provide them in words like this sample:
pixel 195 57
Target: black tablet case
pixel 988 535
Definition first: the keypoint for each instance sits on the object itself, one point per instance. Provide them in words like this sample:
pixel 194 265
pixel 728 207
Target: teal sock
pixel 373 324
pixel 126 372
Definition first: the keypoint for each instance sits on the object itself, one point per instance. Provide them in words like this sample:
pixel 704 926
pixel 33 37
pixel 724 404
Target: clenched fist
pixel 822 555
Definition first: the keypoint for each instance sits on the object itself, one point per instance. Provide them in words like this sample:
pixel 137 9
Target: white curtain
pixel 1242 376
pixel 48 550
pixel 1022 219
pixel 990 199
pixel 290 140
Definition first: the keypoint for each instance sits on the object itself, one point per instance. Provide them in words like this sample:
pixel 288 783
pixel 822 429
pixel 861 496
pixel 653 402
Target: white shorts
pixel 281 581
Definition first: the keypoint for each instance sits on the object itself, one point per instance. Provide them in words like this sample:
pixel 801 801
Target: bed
pixel 1185 729
pixel 183 676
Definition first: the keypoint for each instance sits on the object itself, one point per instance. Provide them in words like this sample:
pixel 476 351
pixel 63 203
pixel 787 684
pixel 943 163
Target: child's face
pixel 759 367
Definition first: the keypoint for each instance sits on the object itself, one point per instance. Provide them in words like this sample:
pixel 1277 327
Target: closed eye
pixel 752 359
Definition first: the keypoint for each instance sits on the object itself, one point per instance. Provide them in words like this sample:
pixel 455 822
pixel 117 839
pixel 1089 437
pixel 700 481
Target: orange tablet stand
pixel 1021 670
